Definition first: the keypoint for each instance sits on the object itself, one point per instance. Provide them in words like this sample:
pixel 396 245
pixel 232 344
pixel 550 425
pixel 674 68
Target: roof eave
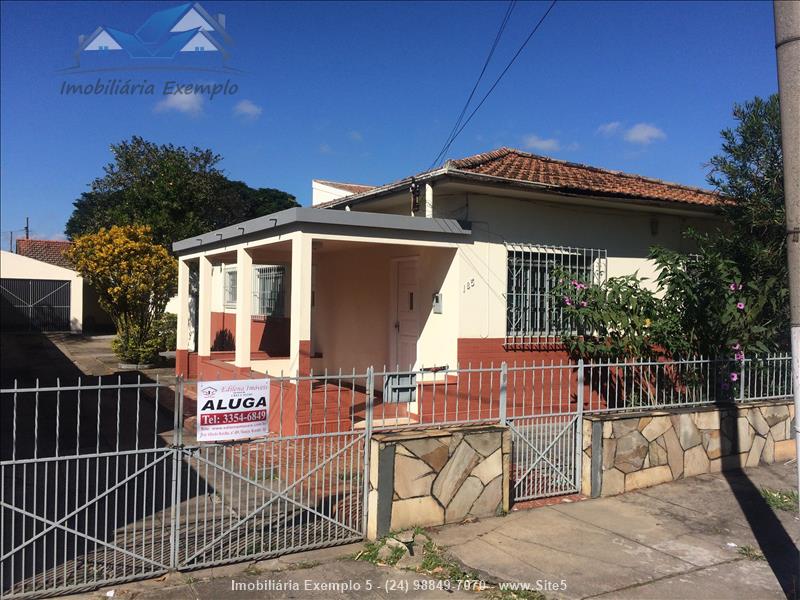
pixel 383 190
pixel 298 218
pixel 448 171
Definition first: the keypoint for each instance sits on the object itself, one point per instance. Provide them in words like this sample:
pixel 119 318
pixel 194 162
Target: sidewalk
pixel 671 541
pixel 709 537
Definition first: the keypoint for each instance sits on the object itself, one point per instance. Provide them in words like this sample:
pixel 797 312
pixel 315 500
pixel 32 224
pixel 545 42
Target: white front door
pixel 405 325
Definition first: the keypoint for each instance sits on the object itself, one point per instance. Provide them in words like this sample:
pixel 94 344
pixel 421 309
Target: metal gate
pixel 300 488
pixel 85 484
pixel 35 304
pixel 545 419
pixel 105 482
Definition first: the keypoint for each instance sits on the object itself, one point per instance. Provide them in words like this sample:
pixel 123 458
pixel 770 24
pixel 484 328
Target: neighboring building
pixel 323 191
pixel 41 292
pixel 451 266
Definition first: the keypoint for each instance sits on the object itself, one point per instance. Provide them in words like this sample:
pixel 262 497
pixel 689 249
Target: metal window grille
pixel 230 287
pixel 533 313
pixel 269 288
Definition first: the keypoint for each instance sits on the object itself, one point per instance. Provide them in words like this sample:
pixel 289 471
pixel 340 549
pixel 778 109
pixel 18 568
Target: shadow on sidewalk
pixel 779 550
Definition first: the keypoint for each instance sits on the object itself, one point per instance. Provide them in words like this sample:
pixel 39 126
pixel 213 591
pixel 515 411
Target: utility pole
pixel 27 228
pixel 787 48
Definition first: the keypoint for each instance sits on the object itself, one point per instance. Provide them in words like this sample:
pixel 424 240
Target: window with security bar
pixel 229 283
pixel 269 288
pixel 533 312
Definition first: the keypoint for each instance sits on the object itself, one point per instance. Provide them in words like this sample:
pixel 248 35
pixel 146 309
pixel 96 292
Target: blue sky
pixel 367 92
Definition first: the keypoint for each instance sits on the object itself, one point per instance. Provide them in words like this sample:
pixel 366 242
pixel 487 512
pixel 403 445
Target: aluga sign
pixel 233 409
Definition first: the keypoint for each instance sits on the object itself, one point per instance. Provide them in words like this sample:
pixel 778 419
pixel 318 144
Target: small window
pixel 229 275
pixel 269 287
pixel 533 313
pixel 198 48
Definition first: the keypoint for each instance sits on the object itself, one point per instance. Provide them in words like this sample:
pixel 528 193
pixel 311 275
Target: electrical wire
pixel 497 81
pixel 503 23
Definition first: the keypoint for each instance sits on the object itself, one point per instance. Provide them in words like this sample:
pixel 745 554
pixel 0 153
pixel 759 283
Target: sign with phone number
pixel 232 410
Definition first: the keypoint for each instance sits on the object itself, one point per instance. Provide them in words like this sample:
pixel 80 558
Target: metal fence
pixel 105 481
pixel 642 385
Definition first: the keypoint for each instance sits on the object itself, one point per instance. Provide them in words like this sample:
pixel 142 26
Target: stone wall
pixel 622 453
pixel 433 477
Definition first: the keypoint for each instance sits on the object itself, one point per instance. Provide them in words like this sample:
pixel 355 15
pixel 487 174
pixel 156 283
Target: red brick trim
pixel 486 351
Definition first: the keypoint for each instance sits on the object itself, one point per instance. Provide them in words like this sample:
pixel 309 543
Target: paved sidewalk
pixel 671 541
pixel 679 540
pixel 317 574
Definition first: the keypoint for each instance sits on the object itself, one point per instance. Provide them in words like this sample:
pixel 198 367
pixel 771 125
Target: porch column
pixel 428 201
pixel 300 338
pixel 204 309
pixel 244 301
pixel 182 333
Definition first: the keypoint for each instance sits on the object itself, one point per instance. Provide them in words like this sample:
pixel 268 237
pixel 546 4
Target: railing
pixel 642 385
pixel 105 481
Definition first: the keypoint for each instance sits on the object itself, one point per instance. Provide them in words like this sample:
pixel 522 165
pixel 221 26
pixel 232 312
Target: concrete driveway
pixel 677 540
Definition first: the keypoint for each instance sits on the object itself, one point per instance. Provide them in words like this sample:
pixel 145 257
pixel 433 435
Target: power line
pixel 494 85
pixel 503 23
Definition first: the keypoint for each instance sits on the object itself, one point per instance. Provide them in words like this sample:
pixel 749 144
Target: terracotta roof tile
pixel 49 251
pixel 516 165
pixel 353 188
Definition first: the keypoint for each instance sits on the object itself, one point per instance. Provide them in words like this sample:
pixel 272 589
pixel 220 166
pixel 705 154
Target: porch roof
pixel 343 222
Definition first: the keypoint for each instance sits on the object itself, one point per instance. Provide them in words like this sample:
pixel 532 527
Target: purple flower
pixel 740 305
pixel 739 356
pixel 584 303
pixel 739 286
pixel 574 282
pixel 736 346
pixel 581 286
pixel 734 377
pixel 567 301
pixel 732 287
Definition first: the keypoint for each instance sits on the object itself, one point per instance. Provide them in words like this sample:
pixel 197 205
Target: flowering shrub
pixel 612 320
pixel 134 279
pixel 698 305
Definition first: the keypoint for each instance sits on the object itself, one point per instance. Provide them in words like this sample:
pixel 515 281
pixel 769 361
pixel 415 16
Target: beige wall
pixel 626 235
pixel 352 317
pixel 14 266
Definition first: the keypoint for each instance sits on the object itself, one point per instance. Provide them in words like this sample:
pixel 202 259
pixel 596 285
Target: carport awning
pixel 314 220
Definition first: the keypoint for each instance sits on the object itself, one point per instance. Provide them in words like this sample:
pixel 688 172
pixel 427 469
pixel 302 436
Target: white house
pixel 449 266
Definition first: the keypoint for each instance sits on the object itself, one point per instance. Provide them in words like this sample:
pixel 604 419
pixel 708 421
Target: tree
pixel 178 192
pixel 749 173
pixel 134 279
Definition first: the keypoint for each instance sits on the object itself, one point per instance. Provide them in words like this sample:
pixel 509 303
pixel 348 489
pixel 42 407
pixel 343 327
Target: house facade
pixel 453 266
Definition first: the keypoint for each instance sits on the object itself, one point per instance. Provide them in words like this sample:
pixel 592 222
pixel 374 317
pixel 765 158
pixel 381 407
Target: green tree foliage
pixel 730 295
pixel 176 191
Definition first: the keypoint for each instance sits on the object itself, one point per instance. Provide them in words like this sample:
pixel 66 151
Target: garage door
pixel 34 305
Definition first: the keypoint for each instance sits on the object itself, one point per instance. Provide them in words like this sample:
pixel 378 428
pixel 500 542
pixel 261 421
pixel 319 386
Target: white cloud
pixel 534 142
pixel 609 129
pixel 247 109
pixel 356 136
pixel 188 104
pixel 644 133
pixel 325 148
